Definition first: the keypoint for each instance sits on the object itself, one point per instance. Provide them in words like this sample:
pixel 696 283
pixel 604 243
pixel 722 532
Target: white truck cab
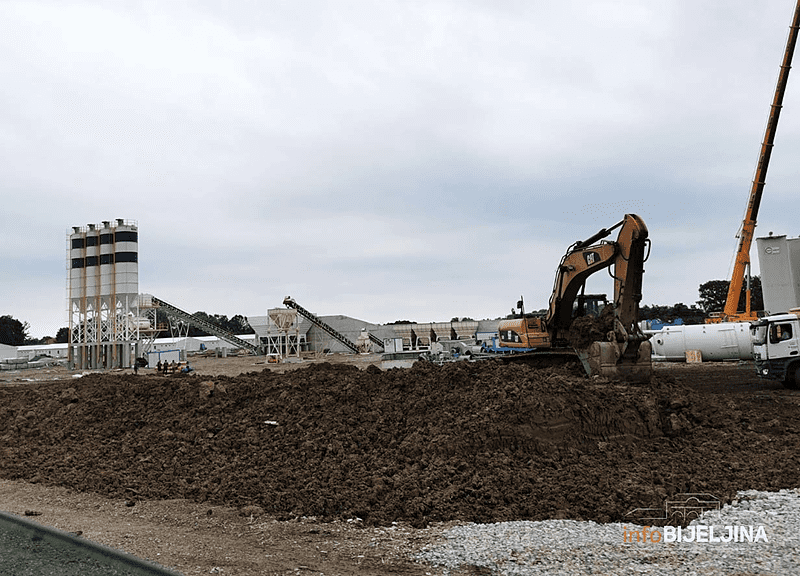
pixel 776 347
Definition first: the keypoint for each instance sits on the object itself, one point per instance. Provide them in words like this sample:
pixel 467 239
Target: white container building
pixel 779 264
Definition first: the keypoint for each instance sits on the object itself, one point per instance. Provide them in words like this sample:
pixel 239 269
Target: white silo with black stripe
pixel 103 278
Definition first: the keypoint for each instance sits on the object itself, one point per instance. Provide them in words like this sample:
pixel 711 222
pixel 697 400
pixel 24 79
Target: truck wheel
pixel 793 377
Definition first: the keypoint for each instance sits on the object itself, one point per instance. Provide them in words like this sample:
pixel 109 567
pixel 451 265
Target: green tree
pixel 12 331
pixel 239 324
pixel 688 314
pixel 62 336
pixel 714 295
pixel 194 331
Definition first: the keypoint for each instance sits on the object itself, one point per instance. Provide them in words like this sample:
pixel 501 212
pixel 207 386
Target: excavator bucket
pixel 606 359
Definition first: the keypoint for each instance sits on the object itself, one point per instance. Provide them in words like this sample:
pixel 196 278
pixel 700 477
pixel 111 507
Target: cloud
pixel 427 160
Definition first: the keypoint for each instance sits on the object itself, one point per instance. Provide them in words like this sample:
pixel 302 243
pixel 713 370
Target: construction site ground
pixel 332 466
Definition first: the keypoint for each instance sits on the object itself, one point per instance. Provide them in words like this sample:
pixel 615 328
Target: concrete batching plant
pixel 103 288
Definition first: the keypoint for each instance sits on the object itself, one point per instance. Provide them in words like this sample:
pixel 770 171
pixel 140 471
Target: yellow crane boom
pixel 742 264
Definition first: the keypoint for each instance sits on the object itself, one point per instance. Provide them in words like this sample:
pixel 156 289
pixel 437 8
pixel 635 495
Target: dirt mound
pixel 469 441
pixel 587 329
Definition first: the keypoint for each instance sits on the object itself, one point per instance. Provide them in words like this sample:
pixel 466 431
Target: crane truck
pixel 624 350
pixel 776 347
pixel 776 337
pixel 741 268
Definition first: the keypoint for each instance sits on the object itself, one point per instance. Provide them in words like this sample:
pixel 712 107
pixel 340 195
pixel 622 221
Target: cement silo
pixel 715 342
pixel 103 288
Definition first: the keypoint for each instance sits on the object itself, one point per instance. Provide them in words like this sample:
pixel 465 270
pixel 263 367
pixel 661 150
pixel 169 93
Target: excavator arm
pixel 626 255
pixel 612 345
pixel 581 261
pixel 634 249
pixel 626 352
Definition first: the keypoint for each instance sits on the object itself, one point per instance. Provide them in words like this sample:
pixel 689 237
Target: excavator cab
pixel 589 305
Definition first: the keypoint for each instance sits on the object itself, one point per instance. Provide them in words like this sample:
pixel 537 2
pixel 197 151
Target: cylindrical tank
pixel 103 276
pixel 126 259
pixel 723 341
pixel 104 261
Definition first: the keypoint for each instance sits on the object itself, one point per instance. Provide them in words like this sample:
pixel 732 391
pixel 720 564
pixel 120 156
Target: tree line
pixel 713 295
pixel 14 332
pixel 237 324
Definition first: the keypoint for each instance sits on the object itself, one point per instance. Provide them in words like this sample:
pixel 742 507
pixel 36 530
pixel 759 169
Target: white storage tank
pixel 104 260
pixel 716 342
pixel 103 287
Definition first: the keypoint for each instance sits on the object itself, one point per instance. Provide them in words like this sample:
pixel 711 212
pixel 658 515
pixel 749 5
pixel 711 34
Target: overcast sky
pixel 385 160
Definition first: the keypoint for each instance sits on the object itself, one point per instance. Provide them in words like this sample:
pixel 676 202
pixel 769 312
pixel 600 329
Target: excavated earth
pixel 480 442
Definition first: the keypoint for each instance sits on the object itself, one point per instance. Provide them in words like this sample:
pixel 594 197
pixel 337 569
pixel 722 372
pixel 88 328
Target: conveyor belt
pixel 289 302
pixel 205 326
pixel 376 340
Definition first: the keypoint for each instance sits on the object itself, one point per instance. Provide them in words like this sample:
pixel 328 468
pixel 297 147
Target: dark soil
pixel 477 442
pixel 585 330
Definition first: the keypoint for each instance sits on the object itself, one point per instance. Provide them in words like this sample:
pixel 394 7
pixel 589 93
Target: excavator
pixel 612 344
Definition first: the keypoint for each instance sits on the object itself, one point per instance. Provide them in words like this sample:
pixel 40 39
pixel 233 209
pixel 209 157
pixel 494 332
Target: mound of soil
pixel 479 442
pixel 587 329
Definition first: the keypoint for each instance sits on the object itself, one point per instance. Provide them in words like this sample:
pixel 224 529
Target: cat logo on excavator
pixel 591 258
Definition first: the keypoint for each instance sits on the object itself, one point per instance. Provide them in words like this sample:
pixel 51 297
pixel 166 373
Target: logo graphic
pixel 679 511
pixel 591 258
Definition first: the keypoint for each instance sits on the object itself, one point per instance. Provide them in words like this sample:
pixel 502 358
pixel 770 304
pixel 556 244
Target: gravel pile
pixel 571 547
